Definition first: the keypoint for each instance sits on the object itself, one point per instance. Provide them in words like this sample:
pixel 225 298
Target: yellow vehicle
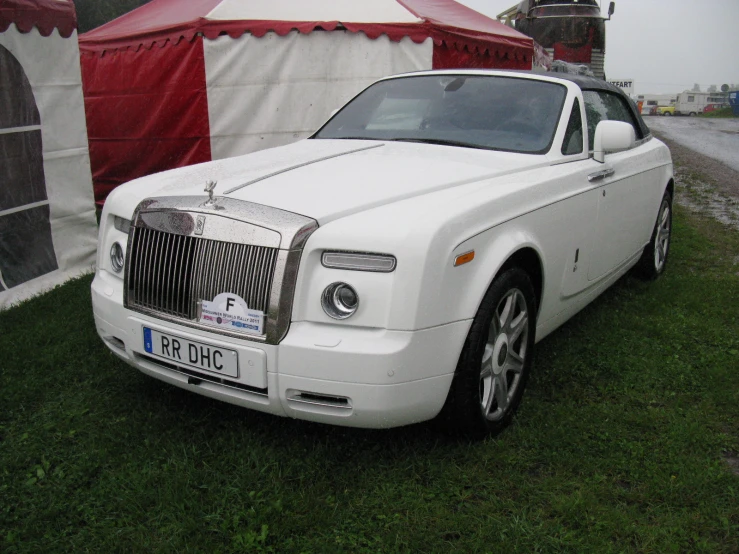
pixel 665 110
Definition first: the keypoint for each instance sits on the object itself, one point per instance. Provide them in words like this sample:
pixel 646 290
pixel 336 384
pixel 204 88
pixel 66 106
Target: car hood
pixel 329 179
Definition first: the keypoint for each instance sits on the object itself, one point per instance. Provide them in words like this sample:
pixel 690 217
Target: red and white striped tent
pixel 175 83
pixel 48 231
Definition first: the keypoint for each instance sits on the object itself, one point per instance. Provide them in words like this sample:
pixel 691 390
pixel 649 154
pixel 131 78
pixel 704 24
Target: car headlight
pixel 340 300
pixel 117 258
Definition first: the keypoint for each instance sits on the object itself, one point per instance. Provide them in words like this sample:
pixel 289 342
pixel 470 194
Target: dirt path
pixel 705 185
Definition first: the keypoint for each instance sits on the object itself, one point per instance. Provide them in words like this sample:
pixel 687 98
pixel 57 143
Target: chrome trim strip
pixel 282 295
pixel 259 225
pixel 325 404
pixel 311 162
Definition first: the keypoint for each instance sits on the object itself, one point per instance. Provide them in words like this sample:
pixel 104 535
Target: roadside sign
pixel 627 85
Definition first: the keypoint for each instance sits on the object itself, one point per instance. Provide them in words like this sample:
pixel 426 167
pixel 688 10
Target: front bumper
pixel 358 377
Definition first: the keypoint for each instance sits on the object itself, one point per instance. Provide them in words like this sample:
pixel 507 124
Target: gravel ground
pixel 704 184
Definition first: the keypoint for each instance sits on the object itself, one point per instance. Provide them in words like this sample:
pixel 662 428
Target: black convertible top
pixel 591 83
pixel 582 81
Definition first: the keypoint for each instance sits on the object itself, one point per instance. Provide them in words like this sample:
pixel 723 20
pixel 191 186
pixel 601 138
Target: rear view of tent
pixel 47 216
pixel 175 83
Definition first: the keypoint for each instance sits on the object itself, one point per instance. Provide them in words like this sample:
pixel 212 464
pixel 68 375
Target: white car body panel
pixel 394 360
pixel 317 187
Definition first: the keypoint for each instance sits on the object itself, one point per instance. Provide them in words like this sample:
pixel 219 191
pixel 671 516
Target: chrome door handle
pixel 601 174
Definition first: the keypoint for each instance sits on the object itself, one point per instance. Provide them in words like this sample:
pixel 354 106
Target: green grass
pixel 621 444
pixel 722 113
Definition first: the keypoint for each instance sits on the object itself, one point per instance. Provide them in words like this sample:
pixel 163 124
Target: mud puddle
pixel 699 196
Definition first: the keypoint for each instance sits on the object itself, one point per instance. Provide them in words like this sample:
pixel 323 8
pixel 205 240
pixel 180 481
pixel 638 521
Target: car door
pixel 624 215
pixel 575 217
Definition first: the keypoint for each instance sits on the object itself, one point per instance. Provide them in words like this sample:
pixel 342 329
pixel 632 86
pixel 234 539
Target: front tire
pixel 496 360
pixel 654 258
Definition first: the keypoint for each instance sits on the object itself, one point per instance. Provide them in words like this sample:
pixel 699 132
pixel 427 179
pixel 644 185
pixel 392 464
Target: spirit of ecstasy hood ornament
pixel 209 186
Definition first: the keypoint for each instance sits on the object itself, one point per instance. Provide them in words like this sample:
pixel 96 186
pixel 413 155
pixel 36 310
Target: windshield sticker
pixel 229 311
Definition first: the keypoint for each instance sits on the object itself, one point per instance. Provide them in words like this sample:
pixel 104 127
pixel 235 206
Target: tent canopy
pixel 45 15
pixel 162 21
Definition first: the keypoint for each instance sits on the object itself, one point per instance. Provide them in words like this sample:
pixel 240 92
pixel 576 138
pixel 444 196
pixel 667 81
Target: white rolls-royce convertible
pixel 399 264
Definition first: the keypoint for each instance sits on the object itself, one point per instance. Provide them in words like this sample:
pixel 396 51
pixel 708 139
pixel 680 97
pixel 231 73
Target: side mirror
pixel 611 9
pixel 611 136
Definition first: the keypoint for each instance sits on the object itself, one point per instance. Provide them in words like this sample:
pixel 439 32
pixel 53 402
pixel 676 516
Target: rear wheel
pixel 496 359
pixel 654 258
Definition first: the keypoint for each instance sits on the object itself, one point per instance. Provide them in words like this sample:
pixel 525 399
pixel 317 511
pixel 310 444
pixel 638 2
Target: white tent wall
pixel 376 11
pixel 258 88
pixel 52 66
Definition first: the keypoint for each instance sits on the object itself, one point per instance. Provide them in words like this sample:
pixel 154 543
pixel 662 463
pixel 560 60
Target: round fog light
pixel 340 301
pixel 116 257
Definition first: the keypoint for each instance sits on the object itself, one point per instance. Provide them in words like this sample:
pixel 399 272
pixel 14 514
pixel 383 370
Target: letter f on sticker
pixel 229 303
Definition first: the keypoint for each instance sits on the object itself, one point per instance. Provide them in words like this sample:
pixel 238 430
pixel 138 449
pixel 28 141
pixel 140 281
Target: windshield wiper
pixel 443 142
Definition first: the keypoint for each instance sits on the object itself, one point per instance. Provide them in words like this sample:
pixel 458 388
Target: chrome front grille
pixel 169 273
pixel 183 250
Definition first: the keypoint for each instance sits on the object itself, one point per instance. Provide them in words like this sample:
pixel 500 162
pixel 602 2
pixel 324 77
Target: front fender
pixel 459 292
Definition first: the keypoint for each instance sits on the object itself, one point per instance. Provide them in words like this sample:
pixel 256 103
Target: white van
pixel 693 103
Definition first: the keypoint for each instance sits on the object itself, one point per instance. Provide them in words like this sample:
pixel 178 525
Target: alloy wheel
pixel 662 240
pixel 504 355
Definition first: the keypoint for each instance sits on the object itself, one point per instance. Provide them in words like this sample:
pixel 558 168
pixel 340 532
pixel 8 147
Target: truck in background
pixel 569 30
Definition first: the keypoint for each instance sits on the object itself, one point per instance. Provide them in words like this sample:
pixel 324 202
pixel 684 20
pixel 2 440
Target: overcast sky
pixel 664 45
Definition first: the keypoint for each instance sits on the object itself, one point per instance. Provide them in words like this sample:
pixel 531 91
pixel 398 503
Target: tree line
pixel 93 13
pixel 715 88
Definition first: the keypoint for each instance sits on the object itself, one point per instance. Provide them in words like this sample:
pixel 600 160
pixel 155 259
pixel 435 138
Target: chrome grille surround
pixel 181 252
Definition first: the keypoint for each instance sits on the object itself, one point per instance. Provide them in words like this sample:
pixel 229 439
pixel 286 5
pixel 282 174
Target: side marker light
pixel 465 258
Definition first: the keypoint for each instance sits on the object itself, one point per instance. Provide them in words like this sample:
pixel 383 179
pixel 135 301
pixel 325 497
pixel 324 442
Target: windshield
pixel 495 113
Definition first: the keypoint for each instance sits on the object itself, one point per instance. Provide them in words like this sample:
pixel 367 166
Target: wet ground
pixel 706 156
pixel 715 138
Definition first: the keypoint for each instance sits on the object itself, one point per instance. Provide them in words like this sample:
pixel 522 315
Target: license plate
pixel 198 355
